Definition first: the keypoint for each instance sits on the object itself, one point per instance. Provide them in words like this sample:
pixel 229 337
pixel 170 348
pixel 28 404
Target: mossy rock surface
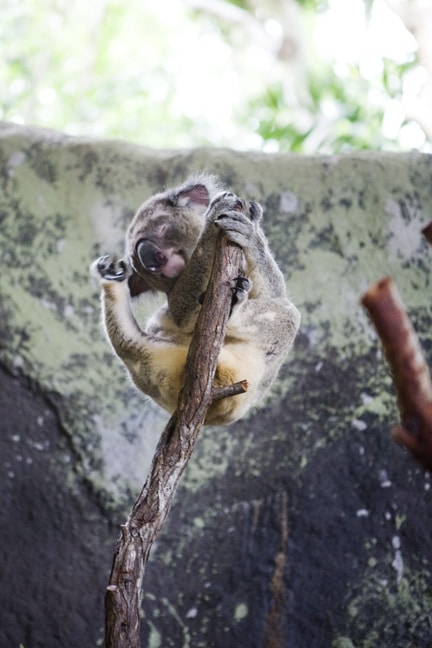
pixel 302 525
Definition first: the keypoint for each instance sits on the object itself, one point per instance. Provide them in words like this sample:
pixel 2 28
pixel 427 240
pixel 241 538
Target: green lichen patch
pixel 384 613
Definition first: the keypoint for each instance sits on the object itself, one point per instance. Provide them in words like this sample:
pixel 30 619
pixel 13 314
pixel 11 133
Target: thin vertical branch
pixel 124 592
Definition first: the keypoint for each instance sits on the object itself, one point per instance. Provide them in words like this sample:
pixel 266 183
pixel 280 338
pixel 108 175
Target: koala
pixel 170 246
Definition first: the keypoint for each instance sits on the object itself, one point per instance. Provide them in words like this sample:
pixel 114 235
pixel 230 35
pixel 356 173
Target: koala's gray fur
pixel 170 246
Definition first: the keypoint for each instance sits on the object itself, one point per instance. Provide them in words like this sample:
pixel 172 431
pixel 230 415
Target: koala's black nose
pixel 150 255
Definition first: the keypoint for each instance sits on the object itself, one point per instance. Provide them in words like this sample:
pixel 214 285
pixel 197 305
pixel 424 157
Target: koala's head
pixel 164 232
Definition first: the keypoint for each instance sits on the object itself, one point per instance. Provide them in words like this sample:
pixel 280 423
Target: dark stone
pixel 303 525
pixel 56 546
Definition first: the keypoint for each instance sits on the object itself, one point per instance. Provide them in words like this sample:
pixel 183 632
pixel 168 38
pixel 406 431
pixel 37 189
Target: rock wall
pixel 303 525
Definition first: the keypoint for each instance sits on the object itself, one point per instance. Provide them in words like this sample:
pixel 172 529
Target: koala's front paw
pixel 110 268
pixel 237 217
pixel 225 202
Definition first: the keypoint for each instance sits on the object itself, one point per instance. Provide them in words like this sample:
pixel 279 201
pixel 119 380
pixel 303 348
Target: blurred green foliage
pixel 146 73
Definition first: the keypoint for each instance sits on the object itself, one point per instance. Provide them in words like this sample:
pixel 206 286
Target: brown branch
pixel 124 593
pixel 229 390
pixel 274 631
pixel 410 373
pixel 427 232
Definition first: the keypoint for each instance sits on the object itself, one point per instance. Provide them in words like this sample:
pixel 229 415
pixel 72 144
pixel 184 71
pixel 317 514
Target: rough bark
pixel 124 593
pixel 409 369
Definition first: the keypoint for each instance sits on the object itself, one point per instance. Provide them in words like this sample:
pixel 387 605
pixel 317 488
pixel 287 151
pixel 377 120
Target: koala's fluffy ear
pixel 197 195
pixel 197 191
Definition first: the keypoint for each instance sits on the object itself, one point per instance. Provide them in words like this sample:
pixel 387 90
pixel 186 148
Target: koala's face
pixel 163 235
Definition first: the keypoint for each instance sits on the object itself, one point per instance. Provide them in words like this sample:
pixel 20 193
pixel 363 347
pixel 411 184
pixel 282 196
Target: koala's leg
pixel 187 295
pixel 240 220
pixel 265 318
pixel 269 323
pixel 130 343
pixel 121 327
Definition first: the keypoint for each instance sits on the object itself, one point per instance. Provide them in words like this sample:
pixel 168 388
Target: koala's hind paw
pixel 241 288
pixel 255 211
pixel 110 268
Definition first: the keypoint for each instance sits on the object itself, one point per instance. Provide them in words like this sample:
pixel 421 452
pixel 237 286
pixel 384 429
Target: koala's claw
pixel 237 203
pixel 241 288
pixel 111 269
pixel 228 202
pixel 238 218
pixel 255 211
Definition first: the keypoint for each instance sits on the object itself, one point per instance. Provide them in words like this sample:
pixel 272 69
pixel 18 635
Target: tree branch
pixel 427 232
pixel 229 390
pixel 410 373
pixel 124 593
